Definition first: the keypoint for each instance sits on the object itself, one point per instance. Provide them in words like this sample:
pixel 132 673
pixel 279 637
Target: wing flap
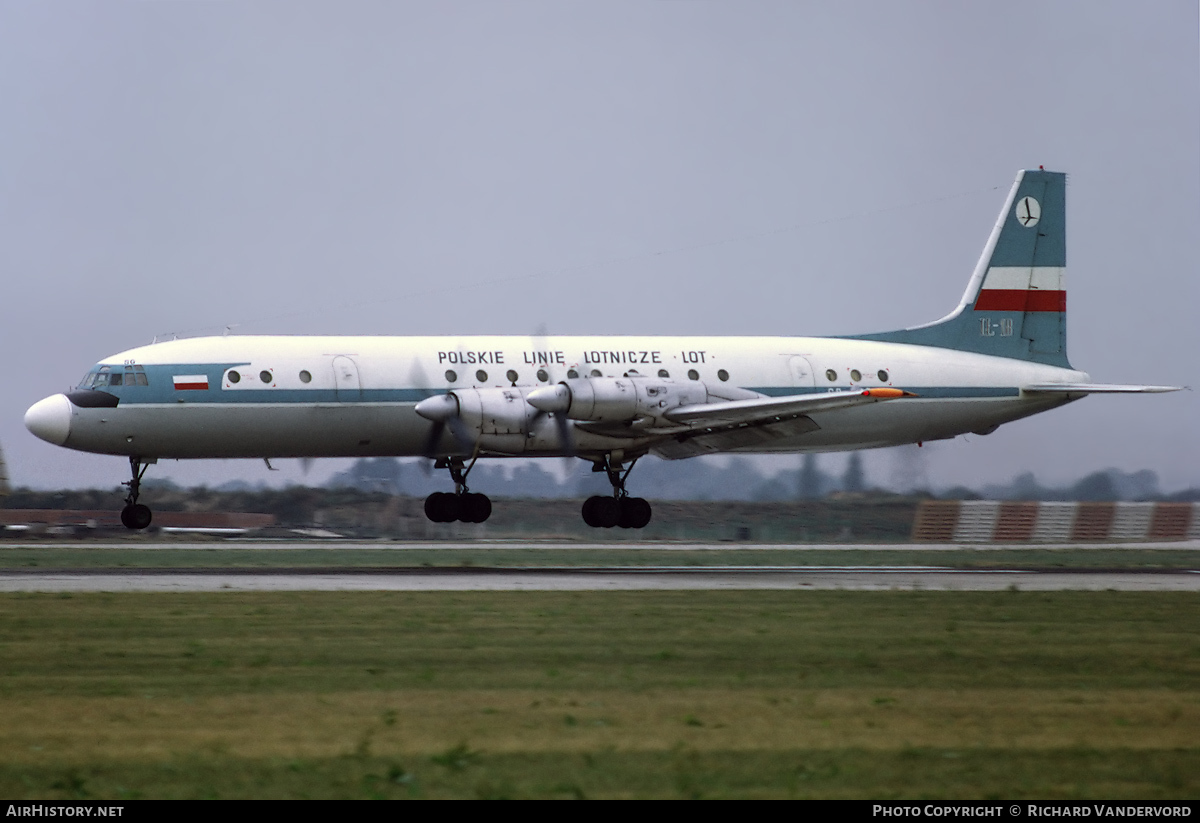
pixel 730 437
pixel 766 410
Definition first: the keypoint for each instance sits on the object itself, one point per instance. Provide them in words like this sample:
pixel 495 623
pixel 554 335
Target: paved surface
pixel 623 545
pixel 397 578
pixel 429 579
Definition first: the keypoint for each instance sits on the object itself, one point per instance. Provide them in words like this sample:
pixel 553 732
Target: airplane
pixel 999 356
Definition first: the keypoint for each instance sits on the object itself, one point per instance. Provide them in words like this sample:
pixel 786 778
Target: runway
pixel 401 546
pixel 814 578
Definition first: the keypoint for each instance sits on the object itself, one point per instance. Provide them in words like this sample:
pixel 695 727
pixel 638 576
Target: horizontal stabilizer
pixel 769 409
pixel 1094 388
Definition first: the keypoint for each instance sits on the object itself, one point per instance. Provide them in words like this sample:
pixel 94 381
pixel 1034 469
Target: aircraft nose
pixel 50 419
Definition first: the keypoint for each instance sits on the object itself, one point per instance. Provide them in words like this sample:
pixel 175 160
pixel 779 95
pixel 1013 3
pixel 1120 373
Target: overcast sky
pixel 605 167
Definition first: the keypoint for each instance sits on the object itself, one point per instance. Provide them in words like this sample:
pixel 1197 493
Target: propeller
pixel 552 400
pixel 555 401
pixel 441 416
pixel 440 409
pixel 443 411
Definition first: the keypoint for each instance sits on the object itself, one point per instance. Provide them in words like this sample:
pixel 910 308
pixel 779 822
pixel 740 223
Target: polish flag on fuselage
pixel 191 382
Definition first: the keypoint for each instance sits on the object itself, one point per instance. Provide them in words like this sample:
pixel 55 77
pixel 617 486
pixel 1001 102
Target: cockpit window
pixel 106 376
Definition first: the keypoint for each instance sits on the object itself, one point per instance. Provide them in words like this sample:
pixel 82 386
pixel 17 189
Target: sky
pixel 606 167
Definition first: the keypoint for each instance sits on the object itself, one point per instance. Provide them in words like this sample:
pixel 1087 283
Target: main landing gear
pixel 464 505
pixel 620 509
pixel 135 515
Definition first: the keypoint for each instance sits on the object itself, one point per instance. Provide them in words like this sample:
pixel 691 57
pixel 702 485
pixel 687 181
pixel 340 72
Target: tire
pixel 441 507
pixel 474 508
pixel 638 512
pixel 606 512
pixel 589 512
pixel 625 513
pixel 433 505
pixel 136 516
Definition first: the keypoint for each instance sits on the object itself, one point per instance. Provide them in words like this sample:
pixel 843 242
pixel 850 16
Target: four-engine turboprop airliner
pixel 999 356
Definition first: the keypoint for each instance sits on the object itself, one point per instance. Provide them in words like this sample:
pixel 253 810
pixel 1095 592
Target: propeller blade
pixel 463 437
pixel 565 440
pixel 435 437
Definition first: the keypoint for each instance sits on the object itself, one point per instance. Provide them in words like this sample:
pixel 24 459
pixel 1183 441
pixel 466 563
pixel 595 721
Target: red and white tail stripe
pixel 1015 288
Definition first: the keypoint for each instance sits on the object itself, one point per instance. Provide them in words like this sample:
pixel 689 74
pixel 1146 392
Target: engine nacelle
pixel 500 420
pixel 495 411
pixel 617 399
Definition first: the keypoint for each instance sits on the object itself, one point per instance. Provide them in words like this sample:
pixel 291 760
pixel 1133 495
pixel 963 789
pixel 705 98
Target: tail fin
pixel 1016 302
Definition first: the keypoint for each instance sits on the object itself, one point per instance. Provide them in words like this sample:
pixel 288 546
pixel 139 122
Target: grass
pixel 600 694
pixel 219 554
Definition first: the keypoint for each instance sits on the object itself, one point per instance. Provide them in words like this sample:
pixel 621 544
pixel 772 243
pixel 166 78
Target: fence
pixel 993 521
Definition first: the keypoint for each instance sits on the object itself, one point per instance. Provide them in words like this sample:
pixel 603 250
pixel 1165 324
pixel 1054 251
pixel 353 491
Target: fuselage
pixel 275 396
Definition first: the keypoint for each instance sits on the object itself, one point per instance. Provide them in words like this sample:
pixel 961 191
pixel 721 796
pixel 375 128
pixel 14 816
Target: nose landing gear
pixel 464 505
pixel 620 509
pixel 135 515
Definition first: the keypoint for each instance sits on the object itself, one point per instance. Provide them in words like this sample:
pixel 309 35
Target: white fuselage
pixel 355 396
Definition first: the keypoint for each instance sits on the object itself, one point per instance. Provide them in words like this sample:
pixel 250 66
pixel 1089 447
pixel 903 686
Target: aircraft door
pixel 345 379
pixel 802 372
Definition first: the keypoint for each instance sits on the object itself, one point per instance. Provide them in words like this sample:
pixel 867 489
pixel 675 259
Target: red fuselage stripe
pixel 1020 300
pixel 183 386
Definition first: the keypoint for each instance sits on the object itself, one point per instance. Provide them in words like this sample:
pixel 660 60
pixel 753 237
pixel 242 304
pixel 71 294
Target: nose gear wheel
pixel 135 515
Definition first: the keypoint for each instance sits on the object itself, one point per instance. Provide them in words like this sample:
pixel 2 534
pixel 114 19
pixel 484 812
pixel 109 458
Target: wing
pixel 716 427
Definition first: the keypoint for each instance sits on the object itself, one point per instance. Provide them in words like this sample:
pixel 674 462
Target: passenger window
pixel 693 374
pixel 512 376
pixel 722 375
pixel 264 376
pixel 855 375
pixel 451 375
pixel 883 375
pixel 234 377
pixel 830 375
pixel 305 377
pixel 596 373
pixel 481 376
pixel 572 373
pixel 542 375
pixel 664 373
